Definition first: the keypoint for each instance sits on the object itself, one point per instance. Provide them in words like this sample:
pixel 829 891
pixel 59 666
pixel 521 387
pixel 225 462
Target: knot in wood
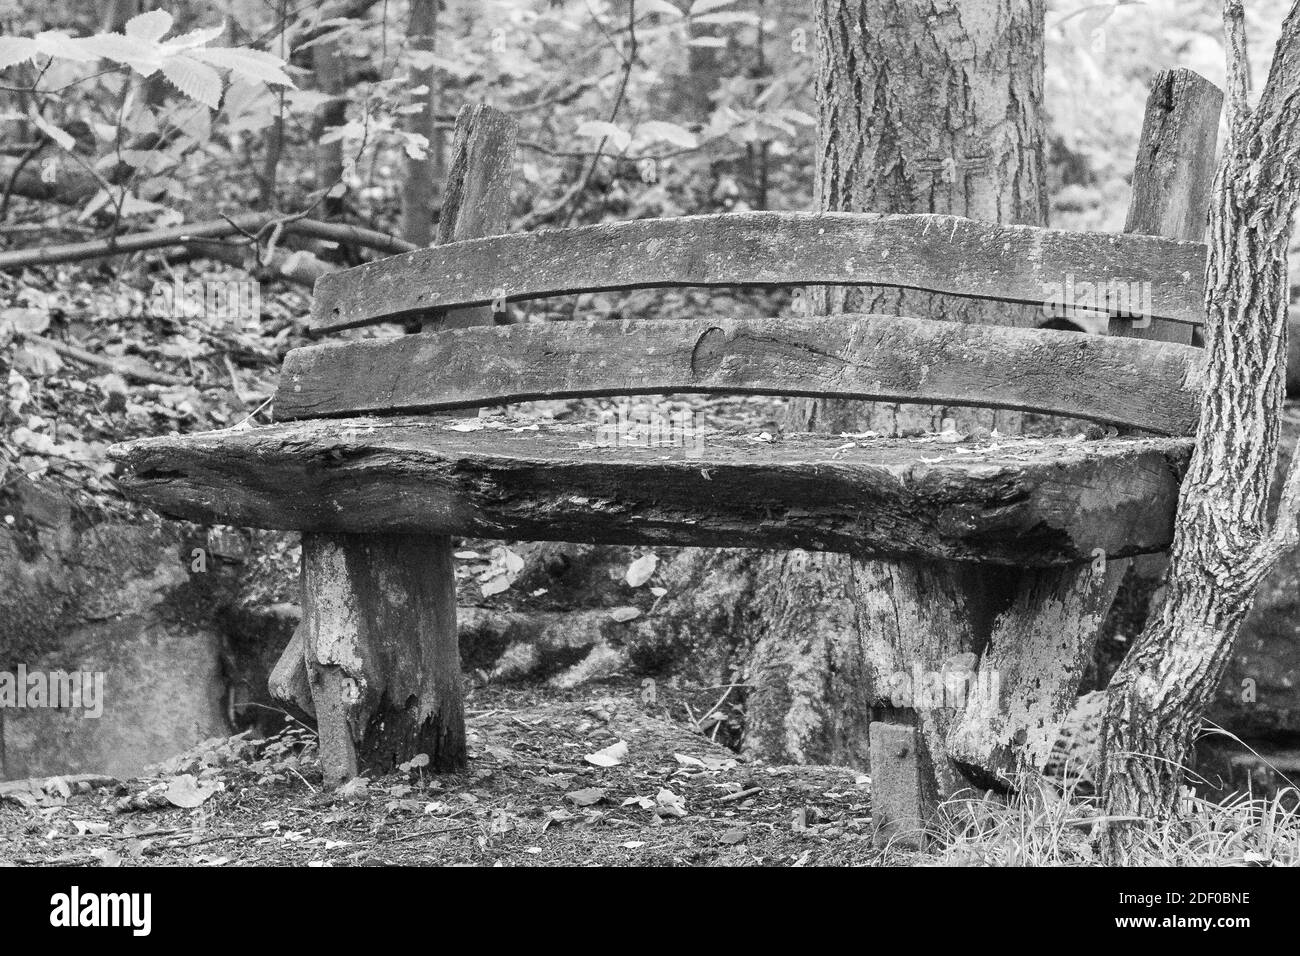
pixel 710 350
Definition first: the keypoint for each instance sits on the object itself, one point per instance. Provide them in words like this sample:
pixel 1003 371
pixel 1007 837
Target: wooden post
pixel 379 611
pixel 1041 644
pixel 476 201
pixel 1172 180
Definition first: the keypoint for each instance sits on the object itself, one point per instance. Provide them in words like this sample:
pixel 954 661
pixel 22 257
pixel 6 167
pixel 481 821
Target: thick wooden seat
pixel 1027 502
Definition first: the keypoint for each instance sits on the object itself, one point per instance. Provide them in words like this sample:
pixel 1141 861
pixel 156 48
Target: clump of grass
pixel 1039 825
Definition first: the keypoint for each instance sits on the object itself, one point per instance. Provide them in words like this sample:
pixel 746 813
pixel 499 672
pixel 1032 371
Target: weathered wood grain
pixel 1147 385
pixel 378 636
pixel 1042 642
pixel 945 254
pixel 1023 502
pixel 476 198
pixel 1172 176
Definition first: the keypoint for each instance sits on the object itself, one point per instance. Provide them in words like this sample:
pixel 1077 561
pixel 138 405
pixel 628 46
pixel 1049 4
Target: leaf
pixel 668 132
pixel 415 145
pixel 668 804
pixel 56 43
pixel 611 756
pixel 255 65
pixel 353 789
pixel 15 50
pixel 621 615
pixel 37 359
pixel 151 26
pixel 495 585
pixel 725 19
pixel 660 6
pixel 196 80
pixel 416 762
pixel 64 140
pixel 139 55
pixel 586 798
pixel 732 837
pixel 23 321
pixel 704 6
pixel 184 792
pixel 195 38
pixel 600 130
pixel 641 570
pixel 20 392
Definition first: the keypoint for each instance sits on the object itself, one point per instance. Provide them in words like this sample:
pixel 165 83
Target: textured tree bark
pixel 1225 542
pixel 925 106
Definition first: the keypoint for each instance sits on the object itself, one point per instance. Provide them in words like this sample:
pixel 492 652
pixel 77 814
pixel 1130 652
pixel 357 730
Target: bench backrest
pixel 1126 381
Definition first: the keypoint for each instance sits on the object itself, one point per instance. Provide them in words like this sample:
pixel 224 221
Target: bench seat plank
pixel 947 254
pixel 1128 382
pixel 1015 502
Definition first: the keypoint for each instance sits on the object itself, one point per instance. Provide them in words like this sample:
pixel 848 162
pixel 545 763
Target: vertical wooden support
pixel 1172 180
pixel 476 201
pixel 1040 645
pixel 379 611
pixel 897 789
pixel 379 635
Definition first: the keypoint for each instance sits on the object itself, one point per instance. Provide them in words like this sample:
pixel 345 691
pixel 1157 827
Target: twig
pixel 725 694
pixel 234 381
pixel 739 795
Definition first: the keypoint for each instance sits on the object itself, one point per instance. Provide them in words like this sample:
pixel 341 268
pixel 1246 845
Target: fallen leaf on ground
pixel 669 804
pixel 611 756
pixel 586 797
pixel 641 570
pixel 184 792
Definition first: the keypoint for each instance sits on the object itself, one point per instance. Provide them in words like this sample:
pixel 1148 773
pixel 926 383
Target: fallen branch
pixel 249 224
pixel 125 369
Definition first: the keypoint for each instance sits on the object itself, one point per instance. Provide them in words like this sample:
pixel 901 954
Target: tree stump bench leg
pixel 972 671
pixel 378 636
pixel 919 622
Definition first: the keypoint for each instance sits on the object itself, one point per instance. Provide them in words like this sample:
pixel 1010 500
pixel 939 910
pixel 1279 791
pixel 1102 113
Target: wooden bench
pixel 370 460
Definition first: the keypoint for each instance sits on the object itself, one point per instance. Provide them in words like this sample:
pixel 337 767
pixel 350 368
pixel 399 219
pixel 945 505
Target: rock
pixel 104 593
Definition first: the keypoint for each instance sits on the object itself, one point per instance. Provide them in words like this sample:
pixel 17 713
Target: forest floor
pixel 534 795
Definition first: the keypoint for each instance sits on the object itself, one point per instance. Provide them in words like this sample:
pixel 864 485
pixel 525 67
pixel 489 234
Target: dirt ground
pixel 534 795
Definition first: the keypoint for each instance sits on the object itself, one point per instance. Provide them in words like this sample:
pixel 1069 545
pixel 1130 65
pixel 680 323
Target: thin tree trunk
pixel 1224 541
pixel 420 187
pixel 328 67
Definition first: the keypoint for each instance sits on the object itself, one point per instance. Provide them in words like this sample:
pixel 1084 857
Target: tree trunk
pixel 1224 541
pixel 925 106
pixel 420 186
pixel 328 66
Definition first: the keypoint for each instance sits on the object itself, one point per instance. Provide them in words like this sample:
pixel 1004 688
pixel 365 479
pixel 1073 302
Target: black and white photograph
pixel 696 434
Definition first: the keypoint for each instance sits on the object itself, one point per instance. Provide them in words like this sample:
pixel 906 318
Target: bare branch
pixel 1234 30
pixel 248 225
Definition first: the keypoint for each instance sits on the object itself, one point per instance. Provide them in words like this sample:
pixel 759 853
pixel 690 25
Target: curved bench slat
pixel 944 254
pixel 1128 382
pixel 1016 502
